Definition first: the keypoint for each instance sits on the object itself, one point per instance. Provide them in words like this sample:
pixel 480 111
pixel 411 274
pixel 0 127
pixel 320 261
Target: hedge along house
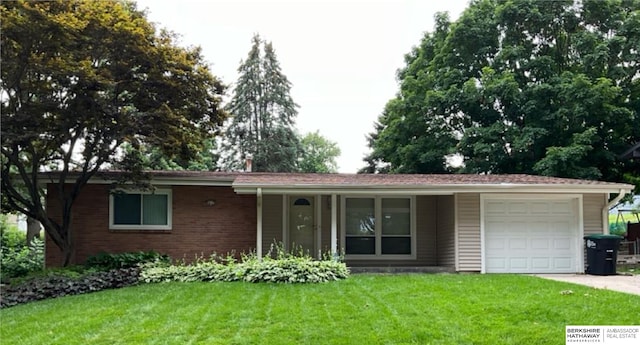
pixel 475 223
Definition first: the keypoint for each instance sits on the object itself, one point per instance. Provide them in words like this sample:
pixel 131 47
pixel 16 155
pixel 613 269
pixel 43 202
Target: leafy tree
pixel 153 158
pixel 263 115
pixel 79 80
pixel 519 86
pixel 421 142
pixel 318 154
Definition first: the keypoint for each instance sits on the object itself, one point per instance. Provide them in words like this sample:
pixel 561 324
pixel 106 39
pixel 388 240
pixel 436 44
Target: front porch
pixel 373 232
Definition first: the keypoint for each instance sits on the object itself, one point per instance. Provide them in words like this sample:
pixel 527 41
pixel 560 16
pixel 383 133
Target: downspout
pixel 608 206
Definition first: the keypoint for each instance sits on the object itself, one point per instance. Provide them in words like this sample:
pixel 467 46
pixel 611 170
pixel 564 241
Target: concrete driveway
pixel 623 283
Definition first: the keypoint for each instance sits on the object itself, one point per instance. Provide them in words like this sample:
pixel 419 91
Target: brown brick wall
pixel 198 229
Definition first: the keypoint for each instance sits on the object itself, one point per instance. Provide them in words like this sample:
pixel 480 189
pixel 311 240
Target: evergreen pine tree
pixel 262 115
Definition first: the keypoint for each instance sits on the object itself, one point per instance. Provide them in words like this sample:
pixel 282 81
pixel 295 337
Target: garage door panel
pixel 562 208
pixel 499 227
pixel 560 226
pixel 498 264
pixel 495 207
pixel 538 227
pixel 517 208
pixel 541 263
pixel 530 236
pixel 496 244
pixel 563 244
pixel 540 243
pixel 539 208
pixel 518 263
pixel 565 263
pixel 517 243
pixel 516 229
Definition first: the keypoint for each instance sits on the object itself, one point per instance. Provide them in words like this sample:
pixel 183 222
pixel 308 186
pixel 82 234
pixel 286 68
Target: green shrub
pixel 108 261
pixel 12 237
pixel 17 259
pixel 276 267
pixel 62 284
pixel 294 270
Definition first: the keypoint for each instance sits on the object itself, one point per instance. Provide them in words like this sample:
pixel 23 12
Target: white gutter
pixel 429 190
pixel 608 206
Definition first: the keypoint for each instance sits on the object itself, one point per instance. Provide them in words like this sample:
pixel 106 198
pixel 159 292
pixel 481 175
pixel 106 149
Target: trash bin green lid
pixel 602 237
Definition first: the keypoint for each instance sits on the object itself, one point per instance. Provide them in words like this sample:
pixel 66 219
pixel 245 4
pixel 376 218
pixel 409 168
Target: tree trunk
pixel 66 252
pixel 33 229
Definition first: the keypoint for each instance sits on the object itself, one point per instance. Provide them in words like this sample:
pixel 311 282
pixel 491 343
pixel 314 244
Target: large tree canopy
pixel 263 115
pixel 80 79
pixel 518 86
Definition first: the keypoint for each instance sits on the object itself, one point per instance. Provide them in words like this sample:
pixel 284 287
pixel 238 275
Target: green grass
pixel 364 309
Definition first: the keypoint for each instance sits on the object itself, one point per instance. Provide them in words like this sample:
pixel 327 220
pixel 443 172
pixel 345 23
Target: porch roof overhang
pixel 352 184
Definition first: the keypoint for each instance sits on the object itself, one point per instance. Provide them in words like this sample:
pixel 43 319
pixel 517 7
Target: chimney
pixel 249 163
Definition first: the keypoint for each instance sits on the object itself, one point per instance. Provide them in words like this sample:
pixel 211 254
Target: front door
pixel 302 224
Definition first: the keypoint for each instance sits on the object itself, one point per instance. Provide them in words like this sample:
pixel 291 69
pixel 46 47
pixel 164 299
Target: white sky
pixel 341 56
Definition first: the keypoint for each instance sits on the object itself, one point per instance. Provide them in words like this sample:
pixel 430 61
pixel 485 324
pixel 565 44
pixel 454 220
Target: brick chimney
pixel 249 164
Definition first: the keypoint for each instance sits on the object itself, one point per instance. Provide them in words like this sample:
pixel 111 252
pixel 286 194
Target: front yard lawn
pixel 364 309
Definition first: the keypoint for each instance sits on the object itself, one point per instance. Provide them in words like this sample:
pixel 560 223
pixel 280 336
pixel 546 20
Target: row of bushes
pixel 287 268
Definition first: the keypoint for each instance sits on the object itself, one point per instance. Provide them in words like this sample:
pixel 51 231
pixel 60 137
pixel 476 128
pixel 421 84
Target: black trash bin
pixel 602 254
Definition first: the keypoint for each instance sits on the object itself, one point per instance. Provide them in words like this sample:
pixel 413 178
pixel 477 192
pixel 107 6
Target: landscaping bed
pixel 109 271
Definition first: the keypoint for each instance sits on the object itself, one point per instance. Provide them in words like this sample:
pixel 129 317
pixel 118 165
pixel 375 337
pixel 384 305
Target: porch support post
pixel 259 223
pixel 334 226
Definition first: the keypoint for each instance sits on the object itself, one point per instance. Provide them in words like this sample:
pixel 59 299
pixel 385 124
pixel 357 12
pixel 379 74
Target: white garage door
pixel 530 236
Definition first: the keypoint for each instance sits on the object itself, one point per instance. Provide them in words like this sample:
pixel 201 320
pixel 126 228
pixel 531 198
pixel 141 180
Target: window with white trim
pixel 140 210
pixel 378 226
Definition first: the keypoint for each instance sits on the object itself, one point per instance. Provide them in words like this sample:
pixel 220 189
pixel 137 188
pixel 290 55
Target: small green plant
pixel 17 259
pixel 107 261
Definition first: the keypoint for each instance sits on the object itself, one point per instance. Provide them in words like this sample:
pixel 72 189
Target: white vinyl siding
pixel 468 232
pixel 593 204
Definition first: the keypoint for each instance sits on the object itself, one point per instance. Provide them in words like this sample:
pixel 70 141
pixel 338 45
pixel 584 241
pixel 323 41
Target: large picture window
pixel 378 226
pixel 360 226
pixel 139 210
pixel 396 226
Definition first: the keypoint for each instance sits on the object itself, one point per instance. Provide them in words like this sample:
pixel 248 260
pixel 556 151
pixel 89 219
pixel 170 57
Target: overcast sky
pixel 341 56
